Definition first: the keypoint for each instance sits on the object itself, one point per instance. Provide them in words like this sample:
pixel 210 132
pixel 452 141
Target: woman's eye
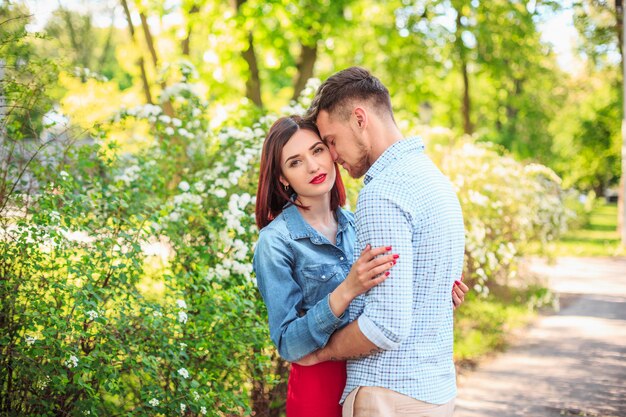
pixel 293 163
pixel 318 150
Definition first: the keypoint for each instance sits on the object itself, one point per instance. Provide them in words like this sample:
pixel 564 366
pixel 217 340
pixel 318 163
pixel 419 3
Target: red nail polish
pixel 457 282
pixel 388 248
pixel 387 273
pixel 396 256
pixel 394 261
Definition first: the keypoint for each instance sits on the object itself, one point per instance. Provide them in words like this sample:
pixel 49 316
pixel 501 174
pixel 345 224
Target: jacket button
pixel 341 258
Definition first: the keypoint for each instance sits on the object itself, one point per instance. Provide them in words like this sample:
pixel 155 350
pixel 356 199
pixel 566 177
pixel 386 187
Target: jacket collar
pixel 299 228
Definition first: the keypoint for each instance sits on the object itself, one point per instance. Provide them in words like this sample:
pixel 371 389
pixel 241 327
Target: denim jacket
pixel 296 269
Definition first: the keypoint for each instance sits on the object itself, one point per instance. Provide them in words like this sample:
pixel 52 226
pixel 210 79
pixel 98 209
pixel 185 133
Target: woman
pixel 303 260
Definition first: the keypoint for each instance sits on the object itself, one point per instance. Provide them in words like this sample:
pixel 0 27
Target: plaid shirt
pixel 409 204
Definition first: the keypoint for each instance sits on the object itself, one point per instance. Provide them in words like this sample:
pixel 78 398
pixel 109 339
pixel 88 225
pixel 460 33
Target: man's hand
pixel 459 289
pixel 309 360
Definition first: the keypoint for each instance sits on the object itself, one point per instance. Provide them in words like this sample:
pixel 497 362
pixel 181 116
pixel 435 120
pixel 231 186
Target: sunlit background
pixel 131 133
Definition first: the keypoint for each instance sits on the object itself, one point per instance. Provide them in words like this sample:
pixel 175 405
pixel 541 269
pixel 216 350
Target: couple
pixel 396 335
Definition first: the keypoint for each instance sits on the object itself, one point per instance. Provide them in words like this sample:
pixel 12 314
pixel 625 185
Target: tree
pixel 602 27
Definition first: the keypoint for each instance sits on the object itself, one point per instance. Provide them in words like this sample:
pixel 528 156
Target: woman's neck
pixel 320 216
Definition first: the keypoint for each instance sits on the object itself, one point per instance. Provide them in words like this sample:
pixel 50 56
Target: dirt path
pixel 569 364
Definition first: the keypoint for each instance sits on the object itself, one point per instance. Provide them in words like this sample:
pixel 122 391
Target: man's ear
pixel 360 115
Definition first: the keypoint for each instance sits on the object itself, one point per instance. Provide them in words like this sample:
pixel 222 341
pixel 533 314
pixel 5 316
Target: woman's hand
pixel 459 289
pixel 367 272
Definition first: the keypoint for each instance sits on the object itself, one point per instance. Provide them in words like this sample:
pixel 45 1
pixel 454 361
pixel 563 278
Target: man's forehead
pixel 323 117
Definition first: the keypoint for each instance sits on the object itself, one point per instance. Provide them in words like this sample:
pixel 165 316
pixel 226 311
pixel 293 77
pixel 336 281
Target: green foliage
pixel 588 135
pixel 597 237
pixel 24 76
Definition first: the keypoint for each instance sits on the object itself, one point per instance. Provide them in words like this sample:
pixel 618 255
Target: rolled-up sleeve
pixel 387 314
pixel 294 335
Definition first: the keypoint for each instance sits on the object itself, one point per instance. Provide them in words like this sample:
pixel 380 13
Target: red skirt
pixel 315 391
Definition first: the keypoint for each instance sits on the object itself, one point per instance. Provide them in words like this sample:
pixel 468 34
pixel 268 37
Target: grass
pixel 598 237
pixel 486 325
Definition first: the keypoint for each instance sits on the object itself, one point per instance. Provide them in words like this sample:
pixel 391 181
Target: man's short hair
pixel 338 92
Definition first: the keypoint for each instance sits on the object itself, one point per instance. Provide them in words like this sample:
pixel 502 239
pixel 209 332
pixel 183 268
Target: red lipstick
pixel 319 179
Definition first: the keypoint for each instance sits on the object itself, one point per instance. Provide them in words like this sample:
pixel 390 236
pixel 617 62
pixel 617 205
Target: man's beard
pixel 360 168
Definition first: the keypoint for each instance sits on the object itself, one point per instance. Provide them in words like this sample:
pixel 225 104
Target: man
pixel 399 343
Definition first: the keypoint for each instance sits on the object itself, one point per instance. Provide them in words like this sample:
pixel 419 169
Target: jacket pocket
pixel 319 281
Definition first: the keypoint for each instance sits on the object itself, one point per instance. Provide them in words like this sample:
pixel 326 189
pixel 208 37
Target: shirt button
pixel 323 276
pixel 341 258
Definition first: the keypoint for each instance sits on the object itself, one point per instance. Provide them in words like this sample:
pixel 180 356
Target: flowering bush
pixel 506 205
pixel 126 290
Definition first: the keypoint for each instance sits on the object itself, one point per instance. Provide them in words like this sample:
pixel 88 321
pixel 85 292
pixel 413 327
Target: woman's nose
pixel 313 166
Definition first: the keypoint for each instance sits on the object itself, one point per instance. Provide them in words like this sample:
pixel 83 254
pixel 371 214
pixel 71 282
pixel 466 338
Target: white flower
pixel 220 193
pixel 196 396
pixel 72 362
pixel 183 345
pixel 183 407
pixel 181 303
pixel 92 314
pixel 199 186
pixel 183 372
pixel 154 402
pixel 30 340
pixel 64 174
pixel 157 314
pixel 182 317
pixel 169 131
pixel 184 186
pixel 203 411
pixel 176 122
pixel 174 216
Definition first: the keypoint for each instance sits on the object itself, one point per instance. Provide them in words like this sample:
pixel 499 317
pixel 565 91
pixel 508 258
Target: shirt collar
pixel 299 228
pixel 392 153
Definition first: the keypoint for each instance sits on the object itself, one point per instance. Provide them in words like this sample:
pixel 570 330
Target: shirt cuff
pixel 375 334
pixel 325 319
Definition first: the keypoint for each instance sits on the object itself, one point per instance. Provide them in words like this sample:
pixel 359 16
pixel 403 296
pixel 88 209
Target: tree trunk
pixel 253 83
pixel 621 207
pixel 107 44
pixel 80 57
pixel 466 105
pixel 306 62
pixel 467 123
pixel 168 109
pixel 149 40
pixel 140 61
pixel 185 43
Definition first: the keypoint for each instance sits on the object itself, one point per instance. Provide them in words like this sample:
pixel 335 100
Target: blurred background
pixel 131 132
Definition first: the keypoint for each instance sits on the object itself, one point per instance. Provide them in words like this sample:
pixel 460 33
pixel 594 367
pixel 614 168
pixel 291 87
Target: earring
pixel 286 187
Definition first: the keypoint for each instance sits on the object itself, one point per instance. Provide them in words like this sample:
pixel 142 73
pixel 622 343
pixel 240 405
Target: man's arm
pixel 347 343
